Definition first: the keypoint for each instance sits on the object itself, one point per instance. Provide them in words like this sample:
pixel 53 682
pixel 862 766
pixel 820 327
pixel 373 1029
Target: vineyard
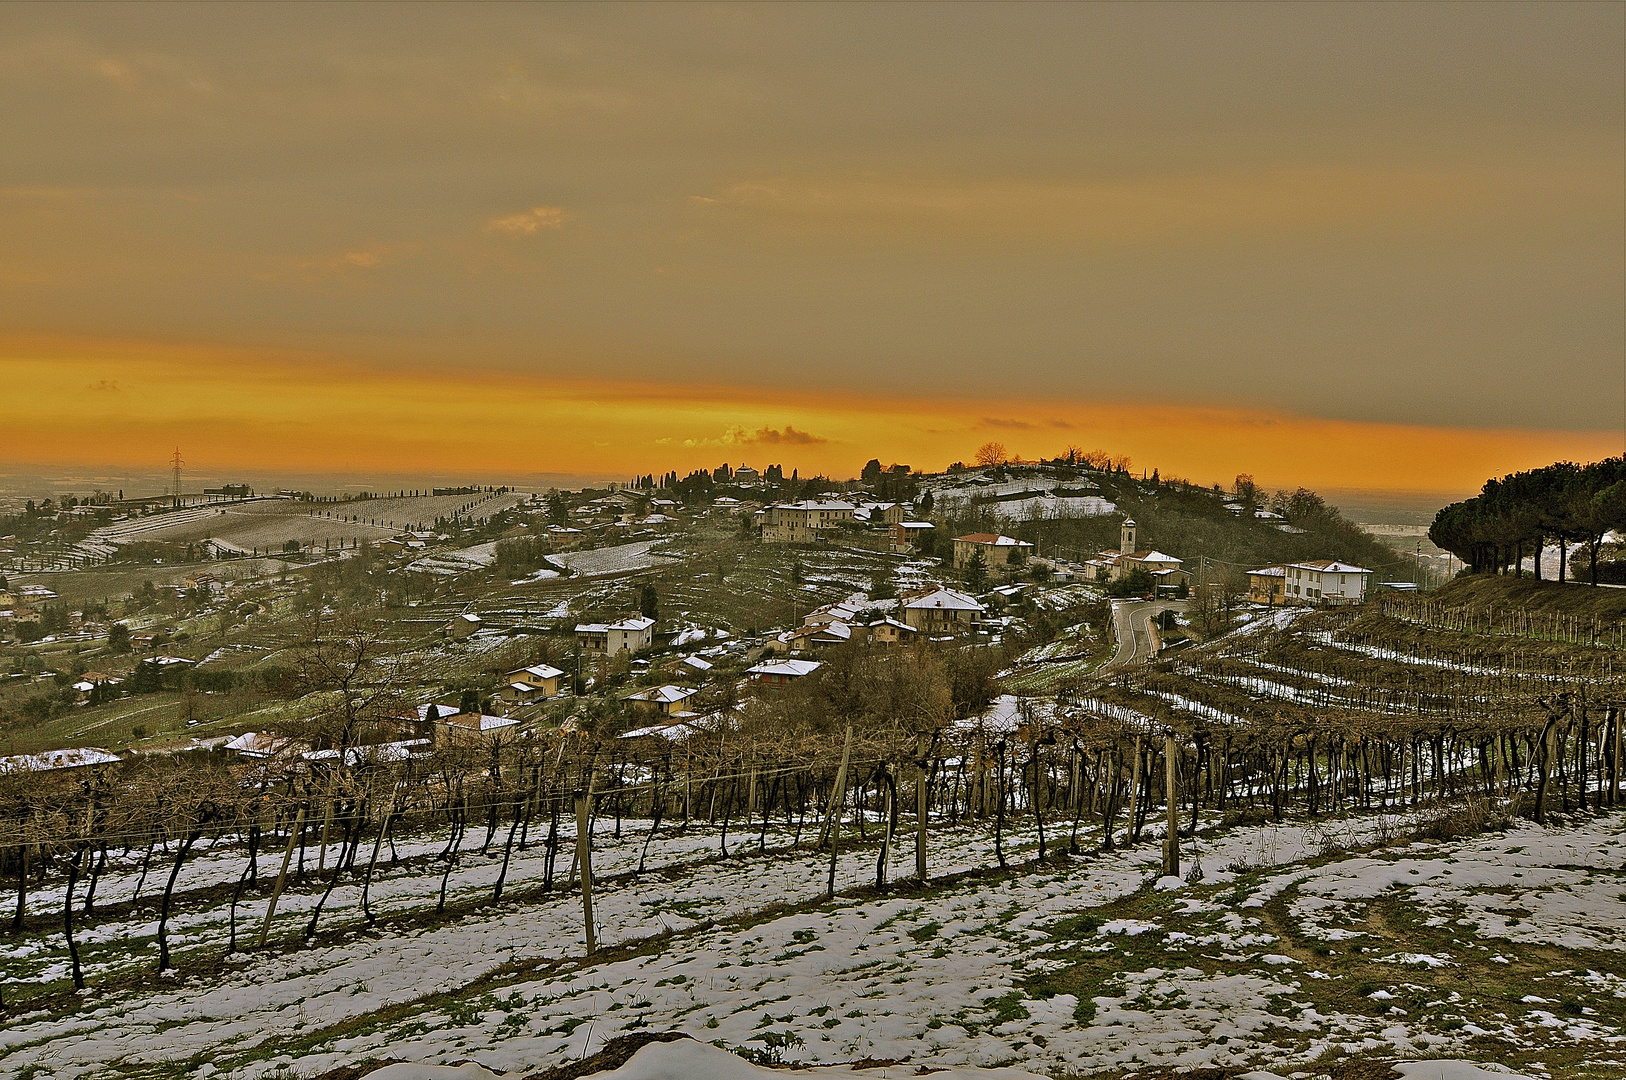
pixel 1383 832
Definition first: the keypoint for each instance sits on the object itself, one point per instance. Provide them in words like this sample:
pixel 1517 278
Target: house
pixel 842 611
pixel 943 611
pixel 528 685
pixel 880 513
pixel 803 522
pixel 462 626
pixel 384 753
pixel 817 637
pixel 1267 585
pixel 690 667
pixel 610 639
pixel 1155 564
pixel 563 538
pixel 666 700
pixel 890 632
pixel 782 672
pixel 1001 555
pixel 1326 581
pixel 520 692
pixel 474 729
pixel 904 535
pixel 261 745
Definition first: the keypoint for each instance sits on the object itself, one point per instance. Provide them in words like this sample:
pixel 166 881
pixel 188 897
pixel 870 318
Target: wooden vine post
pixel 1171 845
pixel 584 857
pixel 833 816
pixel 282 875
pixel 921 775
pixel 1134 793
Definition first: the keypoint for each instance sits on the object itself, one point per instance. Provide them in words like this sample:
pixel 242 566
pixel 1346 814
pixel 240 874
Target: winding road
pixel 1131 625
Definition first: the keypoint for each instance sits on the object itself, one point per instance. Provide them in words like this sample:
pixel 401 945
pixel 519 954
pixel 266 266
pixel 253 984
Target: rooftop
pixel 993 540
pixel 791 668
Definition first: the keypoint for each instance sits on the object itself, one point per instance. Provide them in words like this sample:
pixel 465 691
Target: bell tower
pixel 1126 537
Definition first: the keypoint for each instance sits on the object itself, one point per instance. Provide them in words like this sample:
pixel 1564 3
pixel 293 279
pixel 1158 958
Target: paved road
pixel 1131 621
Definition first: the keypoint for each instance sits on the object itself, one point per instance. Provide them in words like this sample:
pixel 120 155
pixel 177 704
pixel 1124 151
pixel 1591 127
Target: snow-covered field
pixel 1283 952
pixel 611 560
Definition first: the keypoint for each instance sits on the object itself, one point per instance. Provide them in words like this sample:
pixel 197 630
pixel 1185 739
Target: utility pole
pixel 175 464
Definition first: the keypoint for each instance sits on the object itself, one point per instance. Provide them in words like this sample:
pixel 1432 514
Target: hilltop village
pixel 579 579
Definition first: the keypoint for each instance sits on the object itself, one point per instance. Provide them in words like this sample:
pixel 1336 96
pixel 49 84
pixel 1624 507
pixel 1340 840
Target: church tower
pixel 1126 537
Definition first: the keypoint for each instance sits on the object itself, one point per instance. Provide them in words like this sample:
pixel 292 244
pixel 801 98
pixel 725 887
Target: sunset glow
pixel 233 410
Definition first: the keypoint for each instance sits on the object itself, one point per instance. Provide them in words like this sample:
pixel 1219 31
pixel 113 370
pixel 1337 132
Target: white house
pixel 609 639
pixel 1326 581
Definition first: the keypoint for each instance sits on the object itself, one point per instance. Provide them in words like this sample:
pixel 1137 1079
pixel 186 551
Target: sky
pixel 1352 246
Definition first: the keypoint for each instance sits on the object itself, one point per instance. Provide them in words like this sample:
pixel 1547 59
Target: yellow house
pixel 1267 585
pixel 666 700
pixel 803 522
pixel 1003 555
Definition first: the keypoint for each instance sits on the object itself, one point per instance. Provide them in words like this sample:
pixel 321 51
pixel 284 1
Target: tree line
pixel 1564 503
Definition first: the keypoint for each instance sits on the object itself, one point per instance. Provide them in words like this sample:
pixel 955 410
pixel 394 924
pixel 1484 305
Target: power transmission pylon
pixel 175 463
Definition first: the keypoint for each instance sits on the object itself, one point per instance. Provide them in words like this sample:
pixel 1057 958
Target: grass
pixel 1472 990
pixel 1544 597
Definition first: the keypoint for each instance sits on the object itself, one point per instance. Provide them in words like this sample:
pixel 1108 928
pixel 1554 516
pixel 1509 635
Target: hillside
pixel 1536 597
pixel 1185 520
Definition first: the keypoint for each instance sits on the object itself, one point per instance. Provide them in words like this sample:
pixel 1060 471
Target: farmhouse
pixel 611 639
pixel 1327 581
pixel 1002 555
pixel 474 729
pixel 782 672
pixel 1267 585
pixel 666 700
pixel 462 627
pixel 891 632
pixel 532 684
pixel 943 611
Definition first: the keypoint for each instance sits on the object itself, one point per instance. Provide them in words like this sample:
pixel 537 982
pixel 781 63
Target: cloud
pixel 372 257
pixel 528 222
pixel 110 385
pixel 1016 425
pixel 770 436
pixel 763 436
pixel 1060 424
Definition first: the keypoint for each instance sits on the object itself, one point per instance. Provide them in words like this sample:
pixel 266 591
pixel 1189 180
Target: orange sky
pixel 231 409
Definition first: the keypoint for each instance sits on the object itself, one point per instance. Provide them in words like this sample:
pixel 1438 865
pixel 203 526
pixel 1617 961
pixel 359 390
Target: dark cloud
pixel 1006 422
pixel 789 437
